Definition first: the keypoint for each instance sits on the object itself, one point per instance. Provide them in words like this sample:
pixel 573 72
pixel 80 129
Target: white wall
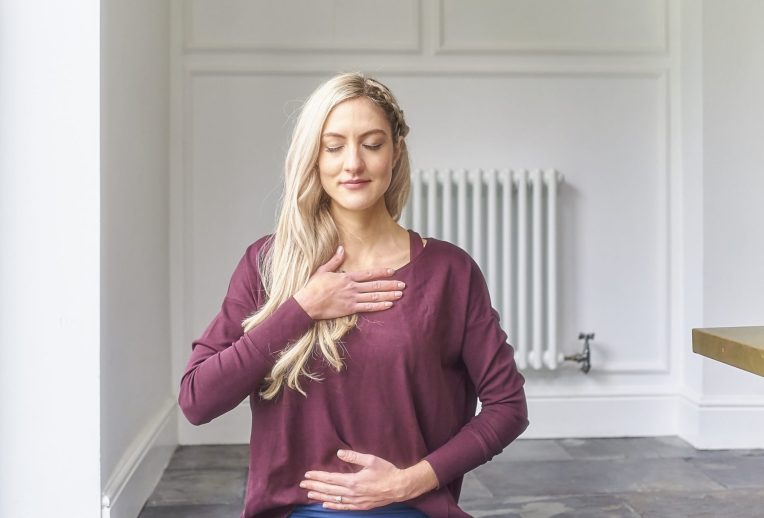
pixel 493 84
pixel 733 160
pixel 49 259
pixel 654 118
pixel 137 403
pixel 609 93
pixel 728 405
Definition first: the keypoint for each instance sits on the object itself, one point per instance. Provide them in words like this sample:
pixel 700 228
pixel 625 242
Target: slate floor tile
pixel 597 449
pixel 712 454
pixel 196 487
pixel 587 477
pixel 594 506
pixel 473 489
pixel 670 447
pixel 731 503
pixel 532 450
pixel 735 472
pixel 215 456
pixel 192 511
pixel 627 448
pixel 658 477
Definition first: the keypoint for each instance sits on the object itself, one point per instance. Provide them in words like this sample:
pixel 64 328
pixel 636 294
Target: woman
pixel 363 362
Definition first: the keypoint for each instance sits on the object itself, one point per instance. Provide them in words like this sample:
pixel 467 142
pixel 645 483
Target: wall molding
pixel 441 47
pixel 428 38
pixel 660 364
pixel 177 163
pixel 141 466
pixel 190 44
pixel 317 65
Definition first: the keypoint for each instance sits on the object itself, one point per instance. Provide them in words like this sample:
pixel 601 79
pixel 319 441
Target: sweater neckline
pixel 416 249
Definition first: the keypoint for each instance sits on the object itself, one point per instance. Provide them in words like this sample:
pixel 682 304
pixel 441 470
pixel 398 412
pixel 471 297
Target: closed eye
pixel 368 146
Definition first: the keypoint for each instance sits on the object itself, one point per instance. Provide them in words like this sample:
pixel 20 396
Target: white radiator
pixel 507 221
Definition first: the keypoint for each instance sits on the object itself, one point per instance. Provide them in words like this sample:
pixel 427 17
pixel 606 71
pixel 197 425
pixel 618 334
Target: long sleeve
pixel 489 360
pixel 226 364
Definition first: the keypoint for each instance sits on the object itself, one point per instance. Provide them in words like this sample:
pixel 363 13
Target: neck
pixel 367 234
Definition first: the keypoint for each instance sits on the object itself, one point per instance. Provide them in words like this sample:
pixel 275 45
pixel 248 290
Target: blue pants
pixel 398 510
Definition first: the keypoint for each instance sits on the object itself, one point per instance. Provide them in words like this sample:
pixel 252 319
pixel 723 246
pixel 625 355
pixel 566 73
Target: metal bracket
pixel 585 357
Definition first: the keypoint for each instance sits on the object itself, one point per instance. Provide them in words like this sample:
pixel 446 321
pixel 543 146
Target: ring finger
pixel 326 488
pixel 332 498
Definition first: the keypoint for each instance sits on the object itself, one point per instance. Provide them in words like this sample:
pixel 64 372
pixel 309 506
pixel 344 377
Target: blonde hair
pixel 306 236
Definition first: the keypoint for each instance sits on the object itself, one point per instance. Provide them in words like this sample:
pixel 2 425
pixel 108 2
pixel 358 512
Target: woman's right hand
pixel 331 294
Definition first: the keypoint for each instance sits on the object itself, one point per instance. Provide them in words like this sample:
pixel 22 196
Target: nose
pixel 353 159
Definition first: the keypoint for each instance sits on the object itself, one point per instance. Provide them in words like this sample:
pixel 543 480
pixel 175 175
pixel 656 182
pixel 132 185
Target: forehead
pixel 356 116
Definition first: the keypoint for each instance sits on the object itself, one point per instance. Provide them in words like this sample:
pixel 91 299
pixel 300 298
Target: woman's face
pixel 356 159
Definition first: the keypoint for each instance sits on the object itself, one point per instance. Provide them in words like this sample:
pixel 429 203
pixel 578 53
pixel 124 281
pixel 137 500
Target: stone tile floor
pixel 661 477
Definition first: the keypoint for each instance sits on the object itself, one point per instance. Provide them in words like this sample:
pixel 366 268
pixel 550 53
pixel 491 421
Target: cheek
pixel 327 165
pixel 388 182
pixel 325 181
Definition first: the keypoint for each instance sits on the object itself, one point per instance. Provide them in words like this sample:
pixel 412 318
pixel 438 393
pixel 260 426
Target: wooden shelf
pixel 741 347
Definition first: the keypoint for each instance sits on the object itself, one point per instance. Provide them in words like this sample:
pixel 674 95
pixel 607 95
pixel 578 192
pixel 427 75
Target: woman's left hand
pixel 378 483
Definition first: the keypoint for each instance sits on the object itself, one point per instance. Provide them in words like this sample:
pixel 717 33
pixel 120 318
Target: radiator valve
pixel 584 358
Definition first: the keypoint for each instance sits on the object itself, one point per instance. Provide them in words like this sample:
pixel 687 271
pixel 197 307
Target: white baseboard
pixel 721 422
pixel 140 468
pixel 550 417
pixel 708 423
pixel 599 416
pixel 730 422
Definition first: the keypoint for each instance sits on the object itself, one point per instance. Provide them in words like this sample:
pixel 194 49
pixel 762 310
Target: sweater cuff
pixel 459 455
pixel 283 327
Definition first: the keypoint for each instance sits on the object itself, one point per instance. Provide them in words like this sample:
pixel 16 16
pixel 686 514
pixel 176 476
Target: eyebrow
pixel 376 130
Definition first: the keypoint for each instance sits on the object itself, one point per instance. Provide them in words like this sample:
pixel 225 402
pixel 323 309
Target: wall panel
pixel 553 26
pixel 583 86
pixel 303 25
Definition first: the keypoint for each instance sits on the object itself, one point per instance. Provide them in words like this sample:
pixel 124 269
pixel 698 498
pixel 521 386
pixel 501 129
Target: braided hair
pixel 383 97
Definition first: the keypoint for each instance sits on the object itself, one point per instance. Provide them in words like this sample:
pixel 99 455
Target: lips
pixel 355 185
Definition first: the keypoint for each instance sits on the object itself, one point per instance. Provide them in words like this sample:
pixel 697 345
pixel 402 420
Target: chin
pixel 358 207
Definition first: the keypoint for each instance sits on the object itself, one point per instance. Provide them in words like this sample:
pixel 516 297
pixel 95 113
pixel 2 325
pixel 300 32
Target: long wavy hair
pixel 306 235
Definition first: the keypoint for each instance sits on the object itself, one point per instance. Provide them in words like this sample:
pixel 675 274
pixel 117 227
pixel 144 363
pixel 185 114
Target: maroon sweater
pixel 408 391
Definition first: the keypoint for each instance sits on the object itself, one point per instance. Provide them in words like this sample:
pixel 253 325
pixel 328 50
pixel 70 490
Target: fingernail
pixel 390 271
pixel 341 453
pixel 401 284
pixel 307 475
pixel 339 249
